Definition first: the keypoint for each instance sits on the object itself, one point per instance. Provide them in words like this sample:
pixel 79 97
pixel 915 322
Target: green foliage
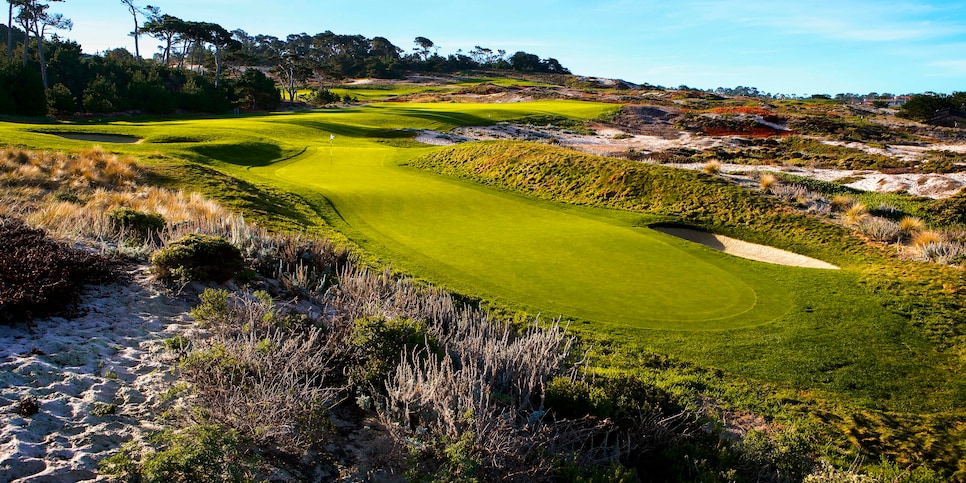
pixel 323 96
pixel 615 473
pixel 256 91
pixel 380 344
pixel 785 453
pixel 21 90
pixel 60 100
pixel 103 409
pixel 949 211
pixel 200 453
pixel 213 307
pixel 136 225
pixel 198 257
pixel 921 107
pixel 100 96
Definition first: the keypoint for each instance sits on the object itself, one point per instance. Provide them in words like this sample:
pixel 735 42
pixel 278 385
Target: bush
pixel 198 453
pixel 60 100
pixel 323 96
pixel 380 344
pixel 38 275
pixel 136 225
pixel 198 257
pixel 879 229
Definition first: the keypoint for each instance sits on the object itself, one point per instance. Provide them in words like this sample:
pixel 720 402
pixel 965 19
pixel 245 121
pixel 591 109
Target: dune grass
pixel 576 244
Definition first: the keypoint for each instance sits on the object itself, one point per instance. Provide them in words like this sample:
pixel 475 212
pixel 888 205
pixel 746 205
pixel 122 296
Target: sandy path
pixel 111 354
pixel 747 250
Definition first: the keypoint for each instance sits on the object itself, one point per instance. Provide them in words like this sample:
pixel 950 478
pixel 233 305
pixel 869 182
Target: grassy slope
pixel 826 338
pixel 841 354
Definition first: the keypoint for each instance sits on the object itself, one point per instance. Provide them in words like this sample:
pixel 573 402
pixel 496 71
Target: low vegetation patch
pixel 41 276
pixel 198 257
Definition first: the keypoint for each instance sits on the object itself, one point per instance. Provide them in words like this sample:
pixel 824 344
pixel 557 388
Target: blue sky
pixel 795 47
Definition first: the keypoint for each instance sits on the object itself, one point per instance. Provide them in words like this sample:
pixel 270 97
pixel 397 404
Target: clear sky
pixel 786 47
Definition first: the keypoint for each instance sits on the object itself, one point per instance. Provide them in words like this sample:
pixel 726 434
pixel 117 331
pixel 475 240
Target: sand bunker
pixel 747 250
pixel 99 138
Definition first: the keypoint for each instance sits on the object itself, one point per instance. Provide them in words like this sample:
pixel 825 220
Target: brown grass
pixel 712 167
pixel 909 225
pixel 855 213
pixel 767 181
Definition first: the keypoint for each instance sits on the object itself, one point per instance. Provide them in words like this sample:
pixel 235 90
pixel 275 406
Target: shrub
pixel 879 229
pixel 855 213
pixel 381 343
pixel 60 100
pixel 711 167
pixel 198 257
pixel 323 96
pixel 255 357
pixel 910 224
pixel 38 275
pixel 136 225
pixel 842 202
pixel 199 453
pixel 950 211
pixel 767 181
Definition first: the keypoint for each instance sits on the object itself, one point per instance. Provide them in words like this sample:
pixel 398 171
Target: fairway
pixel 555 259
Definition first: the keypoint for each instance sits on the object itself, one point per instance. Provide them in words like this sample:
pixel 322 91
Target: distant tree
pixel 524 62
pixel 256 91
pixel 921 107
pixel 134 10
pixel 21 90
pixel 165 28
pixel 422 46
pixel 37 17
pixel 223 41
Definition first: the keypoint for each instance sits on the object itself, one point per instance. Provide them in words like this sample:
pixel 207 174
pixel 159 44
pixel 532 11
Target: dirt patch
pixel 99 138
pixel 747 250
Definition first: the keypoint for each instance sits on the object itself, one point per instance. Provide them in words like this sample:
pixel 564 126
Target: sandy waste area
pixel 97 379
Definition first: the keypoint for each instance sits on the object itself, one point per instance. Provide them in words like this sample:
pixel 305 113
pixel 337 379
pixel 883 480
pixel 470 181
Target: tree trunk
pixel 39 33
pixel 26 43
pixel 10 33
pixel 167 50
pixel 137 50
pixel 217 65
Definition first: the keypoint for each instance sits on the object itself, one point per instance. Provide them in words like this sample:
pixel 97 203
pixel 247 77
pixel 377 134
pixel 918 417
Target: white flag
pixel 331 137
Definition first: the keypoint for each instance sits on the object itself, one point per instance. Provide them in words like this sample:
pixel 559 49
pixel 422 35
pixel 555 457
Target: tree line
pixel 201 66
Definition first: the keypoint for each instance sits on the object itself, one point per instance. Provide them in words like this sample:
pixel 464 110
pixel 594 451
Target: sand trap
pixel 747 250
pixel 99 138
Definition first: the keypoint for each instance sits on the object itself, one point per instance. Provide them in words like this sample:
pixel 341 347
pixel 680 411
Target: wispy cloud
pixel 948 68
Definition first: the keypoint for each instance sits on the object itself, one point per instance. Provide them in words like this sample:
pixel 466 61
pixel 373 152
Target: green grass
pixel 539 229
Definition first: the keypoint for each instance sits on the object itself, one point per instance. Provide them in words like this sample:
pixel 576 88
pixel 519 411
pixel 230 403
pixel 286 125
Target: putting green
pixel 515 251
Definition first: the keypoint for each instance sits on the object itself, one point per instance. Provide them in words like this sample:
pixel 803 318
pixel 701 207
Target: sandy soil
pixel 747 250
pixel 650 129
pixel 111 354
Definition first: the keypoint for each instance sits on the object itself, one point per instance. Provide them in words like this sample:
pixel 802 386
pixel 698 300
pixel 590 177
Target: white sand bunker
pixel 99 138
pixel 743 249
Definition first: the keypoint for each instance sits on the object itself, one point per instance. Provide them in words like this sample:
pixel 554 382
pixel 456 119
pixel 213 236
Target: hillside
pixel 490 212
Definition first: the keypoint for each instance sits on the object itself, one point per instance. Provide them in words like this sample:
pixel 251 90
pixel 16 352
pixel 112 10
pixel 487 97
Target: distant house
pixel 948 117
pixel 894 101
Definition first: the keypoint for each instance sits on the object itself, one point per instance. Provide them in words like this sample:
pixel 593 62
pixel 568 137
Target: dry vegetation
pixel 455 395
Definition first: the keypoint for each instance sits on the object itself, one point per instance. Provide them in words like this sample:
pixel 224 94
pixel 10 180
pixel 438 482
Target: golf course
pixel 632 292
